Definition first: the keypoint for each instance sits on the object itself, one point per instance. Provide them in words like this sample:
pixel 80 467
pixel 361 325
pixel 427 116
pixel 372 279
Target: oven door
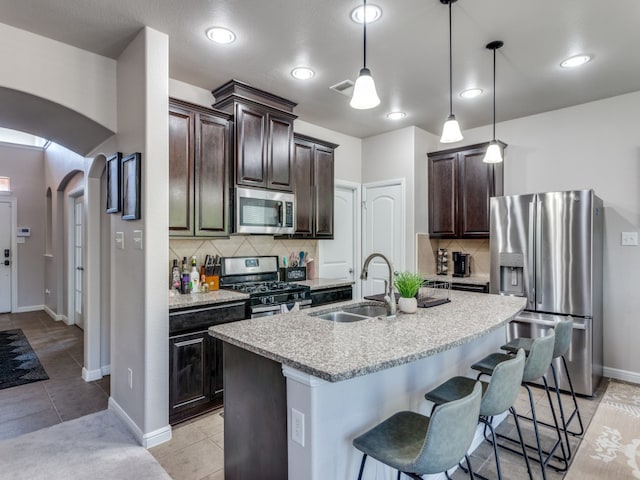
pixel 264 211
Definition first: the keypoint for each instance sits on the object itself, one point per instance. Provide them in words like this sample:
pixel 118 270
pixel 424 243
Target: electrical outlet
pixel 629 238
pixel 297 426
pixel 130 378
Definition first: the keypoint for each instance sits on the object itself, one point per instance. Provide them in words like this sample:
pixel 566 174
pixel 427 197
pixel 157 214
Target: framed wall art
pixel 113 166
pixel 131 186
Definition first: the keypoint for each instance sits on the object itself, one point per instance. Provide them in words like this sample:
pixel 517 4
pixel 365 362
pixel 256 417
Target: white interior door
pixel 5 257
pixel 339 257
pixel 383 231
pixel 78 247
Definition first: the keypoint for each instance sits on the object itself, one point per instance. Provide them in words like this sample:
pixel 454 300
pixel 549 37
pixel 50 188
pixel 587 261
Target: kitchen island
pixel 299 388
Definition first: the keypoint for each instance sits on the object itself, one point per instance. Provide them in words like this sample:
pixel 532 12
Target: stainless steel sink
pixel 341 317
pixel 367 310
pixel 353 313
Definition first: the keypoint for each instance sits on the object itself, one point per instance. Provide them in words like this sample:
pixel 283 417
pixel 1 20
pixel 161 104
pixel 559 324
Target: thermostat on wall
pixel 23 232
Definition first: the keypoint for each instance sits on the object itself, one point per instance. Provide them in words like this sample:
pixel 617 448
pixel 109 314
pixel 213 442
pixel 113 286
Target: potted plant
pixel 408 284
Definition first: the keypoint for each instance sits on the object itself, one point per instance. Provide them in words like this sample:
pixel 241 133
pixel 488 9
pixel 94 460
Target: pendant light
pixel 451 131
pixel 494 152
pixel 364 91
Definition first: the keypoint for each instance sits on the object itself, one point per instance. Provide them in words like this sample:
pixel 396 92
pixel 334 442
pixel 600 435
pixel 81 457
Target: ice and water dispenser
pixel 512 274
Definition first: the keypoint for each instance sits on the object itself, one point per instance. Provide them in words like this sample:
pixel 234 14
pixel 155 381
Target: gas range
pixel 258 276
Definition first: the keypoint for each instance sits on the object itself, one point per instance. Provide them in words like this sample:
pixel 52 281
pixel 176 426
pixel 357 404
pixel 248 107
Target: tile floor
pixel 196 449
pixel 65 395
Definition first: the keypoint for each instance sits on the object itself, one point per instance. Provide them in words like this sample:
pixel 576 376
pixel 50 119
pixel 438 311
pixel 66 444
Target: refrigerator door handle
pixel 546 323
pixel 538 286
pixel 532 287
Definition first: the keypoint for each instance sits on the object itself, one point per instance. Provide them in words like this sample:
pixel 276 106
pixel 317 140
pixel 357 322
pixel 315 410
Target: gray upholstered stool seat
pixel 564 332
pixel 537 363
pixel 498 397
pixel 417 445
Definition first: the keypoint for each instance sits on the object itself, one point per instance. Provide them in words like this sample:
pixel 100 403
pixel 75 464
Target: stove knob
pixel 263 300
pixel 272 299
pixel 295 296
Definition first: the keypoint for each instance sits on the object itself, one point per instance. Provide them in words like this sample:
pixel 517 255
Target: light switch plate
pixel 137 239
pixel 629 238
pixel 120 240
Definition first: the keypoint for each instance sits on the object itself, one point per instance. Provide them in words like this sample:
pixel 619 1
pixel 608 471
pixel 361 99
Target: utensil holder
pixel 293 274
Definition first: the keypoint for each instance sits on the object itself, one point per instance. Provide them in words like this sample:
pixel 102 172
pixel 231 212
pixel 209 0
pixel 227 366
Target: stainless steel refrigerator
pixel 548 247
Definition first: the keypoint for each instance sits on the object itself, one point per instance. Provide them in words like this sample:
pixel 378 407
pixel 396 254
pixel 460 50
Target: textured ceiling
pixel 407 51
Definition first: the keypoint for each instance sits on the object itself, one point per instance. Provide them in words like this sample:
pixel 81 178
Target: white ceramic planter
pixel 408 305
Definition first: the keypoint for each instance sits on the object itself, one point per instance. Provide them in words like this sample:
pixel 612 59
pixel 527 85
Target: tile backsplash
pixel 238 246
pixel 428 248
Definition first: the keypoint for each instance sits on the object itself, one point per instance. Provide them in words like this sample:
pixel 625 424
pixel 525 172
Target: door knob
pixel 351 270
pixel 7 254
pixel 7 263
pixel 80 268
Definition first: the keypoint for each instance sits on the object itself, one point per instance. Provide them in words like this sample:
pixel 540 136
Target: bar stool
pixel 417 445
pixel 498 396
pixel 564 332
pixel 536 365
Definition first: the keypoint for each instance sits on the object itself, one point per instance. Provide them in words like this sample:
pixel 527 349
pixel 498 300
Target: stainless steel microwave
pixel 264 211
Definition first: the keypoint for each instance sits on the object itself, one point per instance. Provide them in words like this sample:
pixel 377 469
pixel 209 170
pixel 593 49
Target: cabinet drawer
pixel 201 318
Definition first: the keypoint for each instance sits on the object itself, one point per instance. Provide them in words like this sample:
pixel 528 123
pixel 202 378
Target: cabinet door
pixel 217 379
pixel 189 357
pixel 442 195
pixel 323 179
pixel 476 188
pixel 211 190
pixel 303 187
pixel 181 149
pixel 250 159
pixel 279 156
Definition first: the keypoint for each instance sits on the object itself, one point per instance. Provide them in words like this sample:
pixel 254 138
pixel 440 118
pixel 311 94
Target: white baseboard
pixel 147 440
pixel 91 375
pixel 66 320
pixel 29 308
pixel 106 370
pixel 53 314
pixel 624 375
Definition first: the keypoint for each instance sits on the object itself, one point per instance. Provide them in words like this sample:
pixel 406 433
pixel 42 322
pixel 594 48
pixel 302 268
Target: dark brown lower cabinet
pixel 196 382
pixel 255 417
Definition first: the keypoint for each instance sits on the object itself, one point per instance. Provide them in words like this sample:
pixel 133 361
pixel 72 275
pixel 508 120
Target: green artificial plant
pixel 408 284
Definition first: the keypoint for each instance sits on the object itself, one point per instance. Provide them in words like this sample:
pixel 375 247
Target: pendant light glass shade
pixel 364 92
pixel 451 131
pixel 494 151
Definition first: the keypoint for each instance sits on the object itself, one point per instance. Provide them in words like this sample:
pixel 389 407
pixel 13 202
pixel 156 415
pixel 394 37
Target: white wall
pixel 77 79
pixel 594 145
pixel 190 93
pixel 401 154
pixel 25 166
pixel 139 305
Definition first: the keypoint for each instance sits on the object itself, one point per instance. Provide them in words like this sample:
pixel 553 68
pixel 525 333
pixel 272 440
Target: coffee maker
pixel 461 264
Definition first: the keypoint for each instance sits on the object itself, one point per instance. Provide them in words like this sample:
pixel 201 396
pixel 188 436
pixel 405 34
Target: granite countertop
pixel 339 351
pixel 473 279
pixel 198 299
pixel 320 283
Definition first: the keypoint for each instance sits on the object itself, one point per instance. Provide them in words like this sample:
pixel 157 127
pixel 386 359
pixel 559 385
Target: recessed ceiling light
pixel 302 73
pixel 221 35
pixel 471 93
pixel 575 61
pixel 396 115
pixel 374 12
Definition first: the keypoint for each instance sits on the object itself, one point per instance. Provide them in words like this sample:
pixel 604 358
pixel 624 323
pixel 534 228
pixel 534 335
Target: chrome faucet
pixel 389 298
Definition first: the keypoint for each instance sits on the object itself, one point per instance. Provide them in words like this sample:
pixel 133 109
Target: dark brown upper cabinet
pixel 460 187
pixel 199 149
pixel 313 187
pixel 263 135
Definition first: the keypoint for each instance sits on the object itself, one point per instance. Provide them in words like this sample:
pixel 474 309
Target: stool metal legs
pixel 413 475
